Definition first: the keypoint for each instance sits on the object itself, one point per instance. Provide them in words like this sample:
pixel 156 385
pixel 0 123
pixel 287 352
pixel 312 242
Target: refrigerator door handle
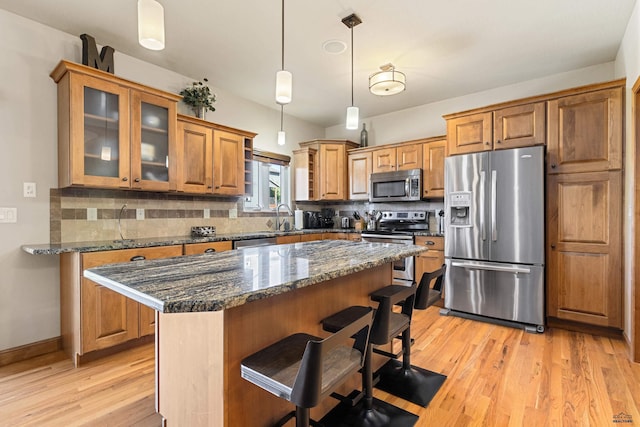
pixel 494 205
pixel 492 267
pixel 483 228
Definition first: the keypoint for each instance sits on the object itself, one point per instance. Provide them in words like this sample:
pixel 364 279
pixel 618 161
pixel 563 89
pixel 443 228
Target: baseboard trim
pixel 27 351
pixel 603 331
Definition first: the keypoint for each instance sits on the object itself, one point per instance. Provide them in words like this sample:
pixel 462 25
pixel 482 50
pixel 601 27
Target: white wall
pixel 628 65
pixel 29 285
pixel 426 120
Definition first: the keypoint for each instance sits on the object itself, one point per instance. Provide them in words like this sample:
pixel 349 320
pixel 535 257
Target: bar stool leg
pixel 302 417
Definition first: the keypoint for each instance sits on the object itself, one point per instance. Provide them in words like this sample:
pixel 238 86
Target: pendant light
pixel 284 79
pixel 151 24
pixel 352 111
pixel 281 134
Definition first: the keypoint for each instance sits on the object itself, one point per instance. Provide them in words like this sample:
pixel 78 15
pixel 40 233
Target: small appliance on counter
pixel 203 231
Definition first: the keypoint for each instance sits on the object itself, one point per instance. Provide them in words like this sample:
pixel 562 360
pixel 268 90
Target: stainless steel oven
pixel 403 270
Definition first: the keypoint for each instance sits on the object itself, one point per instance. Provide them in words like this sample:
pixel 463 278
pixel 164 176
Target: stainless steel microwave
pixel 398 186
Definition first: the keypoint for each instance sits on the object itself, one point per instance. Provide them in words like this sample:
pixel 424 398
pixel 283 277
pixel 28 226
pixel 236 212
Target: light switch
pixel 233 213
pixel 207 213
pixel 92 214
pixel 29 189
pixel 8 215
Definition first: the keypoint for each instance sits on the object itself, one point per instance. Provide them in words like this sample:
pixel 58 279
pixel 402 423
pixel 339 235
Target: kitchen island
pixel 215 309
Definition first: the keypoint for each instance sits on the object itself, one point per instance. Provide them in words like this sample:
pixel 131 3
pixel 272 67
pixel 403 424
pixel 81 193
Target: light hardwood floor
pixel 497 376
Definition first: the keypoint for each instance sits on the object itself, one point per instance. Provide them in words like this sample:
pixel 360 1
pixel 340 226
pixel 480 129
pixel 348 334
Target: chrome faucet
pixel 278 214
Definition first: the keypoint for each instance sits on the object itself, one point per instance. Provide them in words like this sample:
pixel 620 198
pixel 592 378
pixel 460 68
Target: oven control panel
pixel 412 215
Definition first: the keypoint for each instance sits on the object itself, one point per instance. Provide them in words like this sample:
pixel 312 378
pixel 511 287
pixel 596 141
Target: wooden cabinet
pixel 113 133
pixel 403 157
pixel 585 132
pixel 281 240
pixel 94 317
pixel 208 247
pixel 320 170
pixel 470 133
pixel 514 126
pixel 359 166
pixel 311 237
pixel 213 159
pixel 433 169
pixel 584 248
pixel 519 126
pixel 432 259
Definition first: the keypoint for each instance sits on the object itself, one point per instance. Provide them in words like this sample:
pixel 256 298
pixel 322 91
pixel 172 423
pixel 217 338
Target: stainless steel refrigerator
pixel 494 237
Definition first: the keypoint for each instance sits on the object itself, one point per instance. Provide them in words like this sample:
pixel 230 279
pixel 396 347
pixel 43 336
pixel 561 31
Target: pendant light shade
pixel 281 134
pixel 387 82
pixel 284 87
pixel 151 24
pixel 281 137
pixel 352 112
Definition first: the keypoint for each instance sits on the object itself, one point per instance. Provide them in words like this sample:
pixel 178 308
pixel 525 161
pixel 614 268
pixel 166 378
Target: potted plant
pixel 199 97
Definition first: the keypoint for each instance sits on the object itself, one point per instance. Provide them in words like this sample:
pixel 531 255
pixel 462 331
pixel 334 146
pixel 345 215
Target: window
pixel 271 184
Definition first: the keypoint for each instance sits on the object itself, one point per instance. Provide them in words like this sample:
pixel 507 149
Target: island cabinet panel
pixel 584 277
pixel 433 169
pixel 195 159
pixel 360 168
pixel 585 132
pixel 94 317
pixel 217 395
pixel 519 126
pixel 470 134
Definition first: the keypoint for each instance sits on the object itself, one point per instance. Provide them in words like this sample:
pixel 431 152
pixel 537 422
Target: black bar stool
pixel 303 369
pixel 412 383
pixel 361 408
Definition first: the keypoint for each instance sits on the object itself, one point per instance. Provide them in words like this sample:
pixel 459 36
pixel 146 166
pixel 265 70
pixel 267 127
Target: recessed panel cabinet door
pixel 584 276
pixel 519 126
pixel 433 169
pixel 470 134
pixel 384 160
pixel 585 132
pixel 359 172
pixel 195 159
pixel 333 174
pixel 228 163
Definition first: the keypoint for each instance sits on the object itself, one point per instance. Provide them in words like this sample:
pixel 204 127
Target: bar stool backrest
pixel 383 325
pixel 427 295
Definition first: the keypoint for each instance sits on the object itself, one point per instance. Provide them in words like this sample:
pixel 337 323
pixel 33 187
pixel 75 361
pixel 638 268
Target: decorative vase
pixel 199 111
pixel 364 136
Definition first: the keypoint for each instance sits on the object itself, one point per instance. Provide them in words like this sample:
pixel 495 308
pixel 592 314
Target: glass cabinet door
pixel 153 142
pixel 100 150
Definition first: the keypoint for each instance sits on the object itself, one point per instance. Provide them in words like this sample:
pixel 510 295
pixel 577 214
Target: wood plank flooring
pixel 496 376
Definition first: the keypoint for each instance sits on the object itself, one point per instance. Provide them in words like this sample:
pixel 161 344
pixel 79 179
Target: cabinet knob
pixel 209 187
pixel 125 179
pixel 499 141
pixel 137 180
pixel 553 246
pixel 217 187
pixel 553 165
pixel 486 143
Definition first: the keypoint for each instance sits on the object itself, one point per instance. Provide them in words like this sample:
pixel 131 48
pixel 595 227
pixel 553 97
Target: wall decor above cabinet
pixel 114 133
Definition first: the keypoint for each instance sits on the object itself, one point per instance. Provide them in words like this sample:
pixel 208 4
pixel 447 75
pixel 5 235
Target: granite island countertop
pixel 212 282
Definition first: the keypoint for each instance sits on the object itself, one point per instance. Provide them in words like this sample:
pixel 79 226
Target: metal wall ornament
pixel 90 57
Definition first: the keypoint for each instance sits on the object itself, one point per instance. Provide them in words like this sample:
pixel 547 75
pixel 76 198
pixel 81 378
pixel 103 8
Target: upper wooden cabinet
pixel 503 128
pixel 585 132
pixel 359 165
pixel 519 126
pixel 403 157
pixel 470 134
pixel 113 133
pixel 433 154
pixel 213 159
pixel 320 169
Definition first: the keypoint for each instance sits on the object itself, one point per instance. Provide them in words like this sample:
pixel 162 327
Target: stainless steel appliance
pixel 494 250
pixel 399 186
pixel 398 228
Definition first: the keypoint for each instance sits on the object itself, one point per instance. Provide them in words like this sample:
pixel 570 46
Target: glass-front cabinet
pixel 113 133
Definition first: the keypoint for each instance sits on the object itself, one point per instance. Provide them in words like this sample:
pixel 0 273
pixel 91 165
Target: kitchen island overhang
pixel 218 308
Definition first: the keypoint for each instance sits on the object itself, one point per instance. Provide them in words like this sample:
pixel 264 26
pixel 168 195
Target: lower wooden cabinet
pixel 282 240
pixel 209 247
pixel 584 248
pixel 94 317
pixel 430 260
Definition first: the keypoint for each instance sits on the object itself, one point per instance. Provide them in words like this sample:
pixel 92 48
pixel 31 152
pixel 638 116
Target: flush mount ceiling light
pixel 352 112
pixel 387 82
pixel 284 79
pixel 334 47
pixel 151 24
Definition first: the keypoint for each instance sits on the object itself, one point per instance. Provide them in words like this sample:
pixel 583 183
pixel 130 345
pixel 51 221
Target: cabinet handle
pixel 553 246
pixel 125 179
pixel 553 165
pixel 209 250
pixel 137 180
pixel 209 187
pixel 499 141
pixel 138 258
pixel 486 143
pixel 217 187
pixel 429 243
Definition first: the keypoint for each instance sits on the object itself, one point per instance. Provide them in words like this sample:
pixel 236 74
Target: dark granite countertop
pixel 211 282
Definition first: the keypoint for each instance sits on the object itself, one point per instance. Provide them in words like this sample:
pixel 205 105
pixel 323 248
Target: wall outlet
pixel 92 214
pixel 233 213
pixel 8 215
pixel 207 213
pixel 29 189
pixel 139 214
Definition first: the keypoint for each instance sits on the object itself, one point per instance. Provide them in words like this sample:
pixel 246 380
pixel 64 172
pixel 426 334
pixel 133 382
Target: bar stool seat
pixel 303 369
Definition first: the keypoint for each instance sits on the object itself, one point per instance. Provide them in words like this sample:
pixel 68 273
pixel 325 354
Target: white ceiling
pixel 446 48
